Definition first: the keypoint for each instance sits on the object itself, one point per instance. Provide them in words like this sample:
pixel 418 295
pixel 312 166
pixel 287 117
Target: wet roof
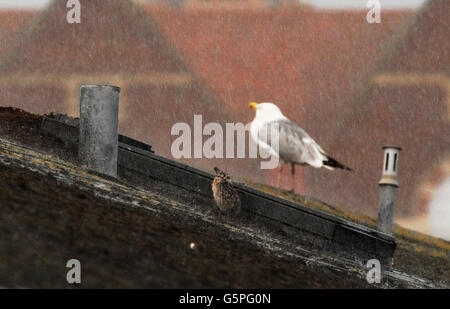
pixel 140 235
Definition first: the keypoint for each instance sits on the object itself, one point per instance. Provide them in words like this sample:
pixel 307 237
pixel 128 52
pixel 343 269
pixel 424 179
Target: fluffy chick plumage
pixel 225 195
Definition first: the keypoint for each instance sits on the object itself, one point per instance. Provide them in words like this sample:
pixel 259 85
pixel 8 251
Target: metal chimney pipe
pixel 99 125
pixel 388 187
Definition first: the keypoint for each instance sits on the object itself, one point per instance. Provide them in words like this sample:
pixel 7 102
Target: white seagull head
pixel 266 112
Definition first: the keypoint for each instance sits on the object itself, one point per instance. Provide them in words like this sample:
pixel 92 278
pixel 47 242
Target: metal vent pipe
pixel 388 187
pixel 99 126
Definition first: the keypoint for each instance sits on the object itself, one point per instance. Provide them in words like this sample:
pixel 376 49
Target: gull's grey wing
pixel 295 145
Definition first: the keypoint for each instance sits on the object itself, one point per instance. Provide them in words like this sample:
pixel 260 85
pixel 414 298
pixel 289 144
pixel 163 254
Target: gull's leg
pixel 293 178
pixel 279 175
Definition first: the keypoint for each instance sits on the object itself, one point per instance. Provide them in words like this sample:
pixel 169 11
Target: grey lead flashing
pixel 321 230
pixel 68 134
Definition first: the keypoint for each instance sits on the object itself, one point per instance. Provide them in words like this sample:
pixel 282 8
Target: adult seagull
pixel 295 145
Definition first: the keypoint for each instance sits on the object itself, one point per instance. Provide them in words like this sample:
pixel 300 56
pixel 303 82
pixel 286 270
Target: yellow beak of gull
pixel 253 105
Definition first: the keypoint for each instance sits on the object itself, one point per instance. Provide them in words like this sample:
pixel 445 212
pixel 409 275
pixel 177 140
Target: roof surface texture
pixel 129 236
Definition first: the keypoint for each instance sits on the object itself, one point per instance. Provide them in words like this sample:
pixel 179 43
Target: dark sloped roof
pixel 128 238
pixel 140 236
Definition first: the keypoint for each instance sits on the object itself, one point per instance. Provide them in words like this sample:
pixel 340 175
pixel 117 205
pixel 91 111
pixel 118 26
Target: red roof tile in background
pixel 118 43
pixel 12 22
pixel 407 104
pixel 294 57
